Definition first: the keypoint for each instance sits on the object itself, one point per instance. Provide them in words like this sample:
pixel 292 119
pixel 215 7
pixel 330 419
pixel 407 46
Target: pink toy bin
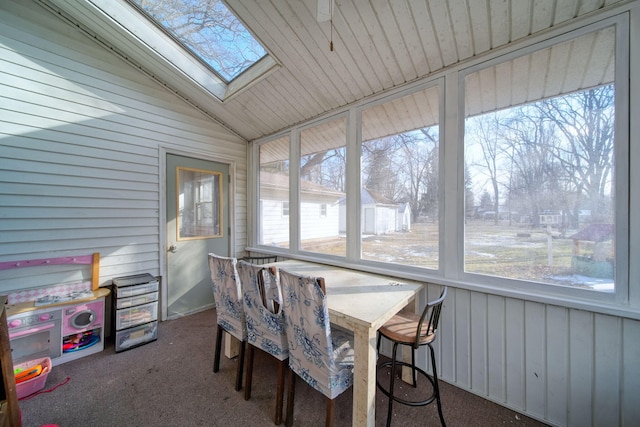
pixel 33 385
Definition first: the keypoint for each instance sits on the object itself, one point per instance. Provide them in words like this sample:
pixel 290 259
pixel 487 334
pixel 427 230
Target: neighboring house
pixel 379 215
pixel 319 209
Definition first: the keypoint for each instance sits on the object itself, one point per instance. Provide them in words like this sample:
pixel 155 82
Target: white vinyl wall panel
pixel 563 366
pixel 81 132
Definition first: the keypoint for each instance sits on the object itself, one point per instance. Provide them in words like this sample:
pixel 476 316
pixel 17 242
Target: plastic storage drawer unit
pixel 135 310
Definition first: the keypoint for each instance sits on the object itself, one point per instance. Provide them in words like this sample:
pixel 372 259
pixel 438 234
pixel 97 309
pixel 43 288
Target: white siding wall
pixel 563 366
pixel 316 226
pixel 275 226
pixel 80 138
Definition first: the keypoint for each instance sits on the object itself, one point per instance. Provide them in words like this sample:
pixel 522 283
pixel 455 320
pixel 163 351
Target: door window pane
pixel 322 182
pixel 274 193
pixel 199 203
pixel 539 163
pixel 400 180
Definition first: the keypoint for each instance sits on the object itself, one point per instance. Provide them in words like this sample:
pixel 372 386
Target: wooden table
pixel 360 302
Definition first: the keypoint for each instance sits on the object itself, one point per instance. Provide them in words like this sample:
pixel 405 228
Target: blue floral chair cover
pixel 229 308
pixel 265 329
pixel 320 355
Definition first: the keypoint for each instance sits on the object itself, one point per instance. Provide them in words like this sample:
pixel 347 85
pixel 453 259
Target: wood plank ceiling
pixel 377 45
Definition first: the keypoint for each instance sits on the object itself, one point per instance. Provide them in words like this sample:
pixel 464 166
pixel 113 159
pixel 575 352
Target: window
pixel 322 181
pixel 273 194
pixel 208 30
pixel 523 186
pixel 400 180
pixel 199 204
pixel 539 166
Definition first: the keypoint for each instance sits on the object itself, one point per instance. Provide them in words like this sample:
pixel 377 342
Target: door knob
pixel 173 248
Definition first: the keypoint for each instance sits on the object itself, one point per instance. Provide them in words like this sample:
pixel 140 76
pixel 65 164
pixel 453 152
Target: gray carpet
pixel 170 383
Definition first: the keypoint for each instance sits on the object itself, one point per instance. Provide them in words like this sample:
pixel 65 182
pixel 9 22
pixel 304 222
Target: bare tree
pixel 530 143
pixel 586 120
pixel 209 29
pixel 483 133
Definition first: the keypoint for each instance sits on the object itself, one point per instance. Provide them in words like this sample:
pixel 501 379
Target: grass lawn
pixel 503 250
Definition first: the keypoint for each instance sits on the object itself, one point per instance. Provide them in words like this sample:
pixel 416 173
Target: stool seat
pixel 402 328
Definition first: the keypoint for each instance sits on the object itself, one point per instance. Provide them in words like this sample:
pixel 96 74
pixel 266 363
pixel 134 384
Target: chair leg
pixel 391 383
pixel 216 357
pixel 282 370
pixel 436 389
pixel 290 398
pixel 328 422
pixel 240 366
pixel 249 379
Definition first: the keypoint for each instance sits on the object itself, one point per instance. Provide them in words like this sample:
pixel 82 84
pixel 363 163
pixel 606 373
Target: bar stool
pixel 414 330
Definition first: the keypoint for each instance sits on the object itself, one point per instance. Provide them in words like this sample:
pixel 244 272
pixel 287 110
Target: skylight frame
pixel 186 45
pixel 151 48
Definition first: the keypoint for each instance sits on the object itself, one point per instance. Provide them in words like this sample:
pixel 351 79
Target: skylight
pixel 209 30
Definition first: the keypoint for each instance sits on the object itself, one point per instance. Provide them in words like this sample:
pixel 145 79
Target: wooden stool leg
pixel 240 366
pixel 249 380
pixel 216 357
pixel 290 398
pixel 329 416
pixel 282 370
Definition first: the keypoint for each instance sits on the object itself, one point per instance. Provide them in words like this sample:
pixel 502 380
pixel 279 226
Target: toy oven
pixel 35 334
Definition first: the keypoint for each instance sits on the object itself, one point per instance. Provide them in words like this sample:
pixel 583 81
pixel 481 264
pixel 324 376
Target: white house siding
pixel 315 226
pixel 275 226
pixel 80 138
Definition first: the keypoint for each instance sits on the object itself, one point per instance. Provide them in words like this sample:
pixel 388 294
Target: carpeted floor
pixel 170 383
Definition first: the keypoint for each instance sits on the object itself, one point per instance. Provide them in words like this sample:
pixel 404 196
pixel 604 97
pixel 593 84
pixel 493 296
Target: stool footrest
pixel 386 392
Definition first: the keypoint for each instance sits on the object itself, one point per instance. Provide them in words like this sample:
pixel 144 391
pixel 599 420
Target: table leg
pixel 364 377
pixel 231 345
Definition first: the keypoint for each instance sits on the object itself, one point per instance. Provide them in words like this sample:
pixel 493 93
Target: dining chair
pixel 265 330
pixel 319 354
pixel 413 330
pixel 229 308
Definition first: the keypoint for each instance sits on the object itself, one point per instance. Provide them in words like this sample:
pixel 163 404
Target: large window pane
pixel 322 186
pixel 539 162
pixel 273 211
pixel 400 181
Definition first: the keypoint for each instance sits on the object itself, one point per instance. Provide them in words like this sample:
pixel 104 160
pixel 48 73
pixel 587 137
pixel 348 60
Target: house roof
pixel 595 233
pixel 377 46
pixel 278 181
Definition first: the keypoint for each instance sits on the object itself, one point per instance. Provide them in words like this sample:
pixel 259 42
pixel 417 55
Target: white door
pixel 197 215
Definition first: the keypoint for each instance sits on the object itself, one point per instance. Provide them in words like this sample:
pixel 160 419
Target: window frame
pixel 621 152
pixel 624 301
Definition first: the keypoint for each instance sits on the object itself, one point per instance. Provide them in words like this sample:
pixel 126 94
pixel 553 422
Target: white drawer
pixel 137 300
pixel 130 291
pixel 128 317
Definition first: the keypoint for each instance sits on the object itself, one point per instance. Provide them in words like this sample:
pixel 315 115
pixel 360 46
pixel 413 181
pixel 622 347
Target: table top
pixel 357 298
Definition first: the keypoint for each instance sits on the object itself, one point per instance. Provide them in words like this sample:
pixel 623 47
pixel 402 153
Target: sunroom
pixel 473 145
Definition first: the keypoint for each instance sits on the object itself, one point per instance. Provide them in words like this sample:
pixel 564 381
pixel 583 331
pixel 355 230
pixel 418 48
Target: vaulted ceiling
pixel 377 45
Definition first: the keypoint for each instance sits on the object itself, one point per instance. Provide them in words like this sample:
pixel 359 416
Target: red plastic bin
pixel 35 384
